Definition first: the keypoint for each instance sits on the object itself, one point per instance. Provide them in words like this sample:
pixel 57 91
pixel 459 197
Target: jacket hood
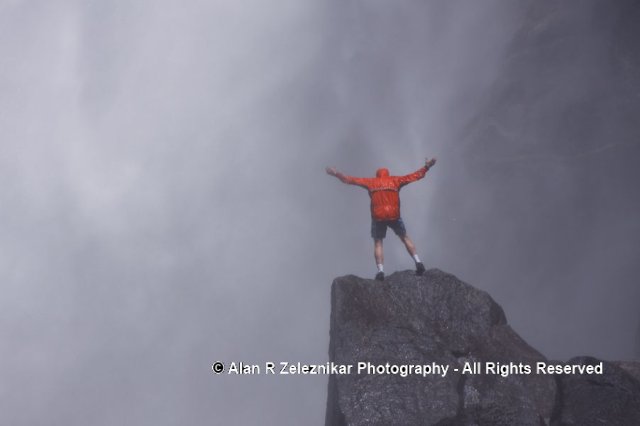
pixel 382 172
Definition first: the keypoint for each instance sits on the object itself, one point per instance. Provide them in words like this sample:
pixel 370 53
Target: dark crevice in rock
pixel 556 413
pixel 460 389
pixel 459 418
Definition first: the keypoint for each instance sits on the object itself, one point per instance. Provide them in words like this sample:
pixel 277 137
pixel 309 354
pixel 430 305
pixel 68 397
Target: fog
pixel 165 206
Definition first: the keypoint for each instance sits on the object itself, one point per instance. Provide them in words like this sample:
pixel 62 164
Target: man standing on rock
pixel 385 208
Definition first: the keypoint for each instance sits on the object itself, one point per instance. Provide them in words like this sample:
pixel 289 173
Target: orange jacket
pixel 384 191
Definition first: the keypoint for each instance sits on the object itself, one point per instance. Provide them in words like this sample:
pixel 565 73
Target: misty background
pixel 165 206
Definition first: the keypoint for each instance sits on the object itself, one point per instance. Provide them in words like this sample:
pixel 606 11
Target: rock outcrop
pixel 438 321
pixel 612 398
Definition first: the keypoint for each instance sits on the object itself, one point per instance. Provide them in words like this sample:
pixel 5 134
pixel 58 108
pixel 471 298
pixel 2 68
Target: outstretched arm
pixel 418 174
pixel 350 180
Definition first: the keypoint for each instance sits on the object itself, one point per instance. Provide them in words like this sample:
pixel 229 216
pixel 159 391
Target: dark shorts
pixel 379 228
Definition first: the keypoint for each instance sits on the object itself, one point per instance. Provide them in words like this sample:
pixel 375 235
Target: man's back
pixel 384 191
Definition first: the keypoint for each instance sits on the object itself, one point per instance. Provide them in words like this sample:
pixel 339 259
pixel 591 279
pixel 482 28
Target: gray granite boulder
pixel 612 398
pixel 434 319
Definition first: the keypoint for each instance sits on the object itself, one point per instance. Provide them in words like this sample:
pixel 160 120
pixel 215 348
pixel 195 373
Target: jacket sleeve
pixel 412 177
pixel 350 180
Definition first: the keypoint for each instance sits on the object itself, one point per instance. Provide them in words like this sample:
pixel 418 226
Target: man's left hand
pixel 429 163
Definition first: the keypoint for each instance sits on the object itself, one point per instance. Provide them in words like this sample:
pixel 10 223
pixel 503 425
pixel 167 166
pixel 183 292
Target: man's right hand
pixel 331 171
pixel 429 163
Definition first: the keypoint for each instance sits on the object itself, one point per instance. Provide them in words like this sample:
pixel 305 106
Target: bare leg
pixel 412 251
pixel 379 256
pixel 377 252
pixel 411 248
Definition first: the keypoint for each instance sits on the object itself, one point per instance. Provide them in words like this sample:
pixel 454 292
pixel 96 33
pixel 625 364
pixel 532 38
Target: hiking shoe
pixel 419 268
pixel 380 276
